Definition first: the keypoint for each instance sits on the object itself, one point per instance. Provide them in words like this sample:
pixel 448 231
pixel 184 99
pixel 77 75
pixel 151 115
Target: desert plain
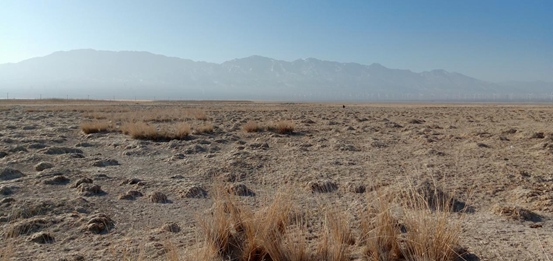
pixel 72 192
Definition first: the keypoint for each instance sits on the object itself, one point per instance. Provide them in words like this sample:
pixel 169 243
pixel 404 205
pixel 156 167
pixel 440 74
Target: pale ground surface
pixel 468 149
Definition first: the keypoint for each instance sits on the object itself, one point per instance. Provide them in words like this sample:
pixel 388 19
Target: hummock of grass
pixel 95 126
pixel 282 127
pixel 205 128
pixel 250 126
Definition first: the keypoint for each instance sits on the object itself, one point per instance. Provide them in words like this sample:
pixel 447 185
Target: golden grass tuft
pixel 180 131
pixel 336 238
pixel 95 126
pixel 139 130
pixel 205 128
pixel 282 127
pixel 234 231
pixel 431 233
pixel 250 126
pixel 198 114
pixel 380 231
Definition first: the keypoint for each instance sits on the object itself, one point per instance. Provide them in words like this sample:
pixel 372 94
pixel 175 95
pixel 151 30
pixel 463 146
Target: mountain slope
pixel 125 75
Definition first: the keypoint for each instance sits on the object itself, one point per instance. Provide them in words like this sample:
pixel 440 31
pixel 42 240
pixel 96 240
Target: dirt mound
pixel 27 227
pixel 61 150
pixel 100 223
pixel 42 238
pixel 43 165
pixel 9 174
pixel 130 195
pixel 241 190
pixel 323 186
pixel 158 197
pixel 170 227
pixel 516 213
pixel 195 192
pixel 438 199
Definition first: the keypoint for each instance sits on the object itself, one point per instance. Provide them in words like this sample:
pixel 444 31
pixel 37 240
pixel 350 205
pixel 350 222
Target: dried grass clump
pixel 250 126
pixel 430 233
pixel 206 128
pixel 180 131
pixel 380 232
pixel 95 126
pixel 336 238
pixel 141 130
pixel 198 114
pixel 282 127
pixel 235 232
pixel 5 108
pixel 393 228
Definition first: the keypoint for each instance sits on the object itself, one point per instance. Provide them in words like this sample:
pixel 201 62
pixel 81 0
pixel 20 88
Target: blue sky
pixel 492 40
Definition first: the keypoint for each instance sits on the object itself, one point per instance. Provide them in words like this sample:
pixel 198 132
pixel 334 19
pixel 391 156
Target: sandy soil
pixel 494 158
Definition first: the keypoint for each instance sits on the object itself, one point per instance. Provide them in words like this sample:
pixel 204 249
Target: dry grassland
pixel 275 181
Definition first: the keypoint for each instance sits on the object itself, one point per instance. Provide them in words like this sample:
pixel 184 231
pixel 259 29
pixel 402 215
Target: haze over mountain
pixel 143 75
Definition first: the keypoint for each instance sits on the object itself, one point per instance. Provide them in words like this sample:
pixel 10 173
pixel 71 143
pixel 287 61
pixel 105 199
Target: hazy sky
pixel 491 40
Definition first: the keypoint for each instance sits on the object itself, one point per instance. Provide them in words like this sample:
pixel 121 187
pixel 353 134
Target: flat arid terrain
pixel 168 180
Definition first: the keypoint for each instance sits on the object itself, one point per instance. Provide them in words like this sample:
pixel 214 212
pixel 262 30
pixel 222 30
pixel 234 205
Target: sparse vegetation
pixel 234 231
pixel 431 233
pixel 141 130
pixel 349 199
pixel 147 115
pixel 95 126
pixel 199 114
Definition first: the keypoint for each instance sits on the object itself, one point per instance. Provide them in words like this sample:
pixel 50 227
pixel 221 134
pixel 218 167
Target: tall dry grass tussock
pixel 432 233
pixel 180 131
pixel 139 130
pixel 95 126
pixel 250 126
pixel 198 114
pixel 282 127
pixel 380 231
pixel 205 128
pixel 234 231
pixel 336 238
pixel 407 227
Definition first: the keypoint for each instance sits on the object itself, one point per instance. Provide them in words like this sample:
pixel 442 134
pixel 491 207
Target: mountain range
pixel 142 75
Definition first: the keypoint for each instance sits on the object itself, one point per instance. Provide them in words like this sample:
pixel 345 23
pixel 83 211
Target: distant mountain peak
pixel 377 65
